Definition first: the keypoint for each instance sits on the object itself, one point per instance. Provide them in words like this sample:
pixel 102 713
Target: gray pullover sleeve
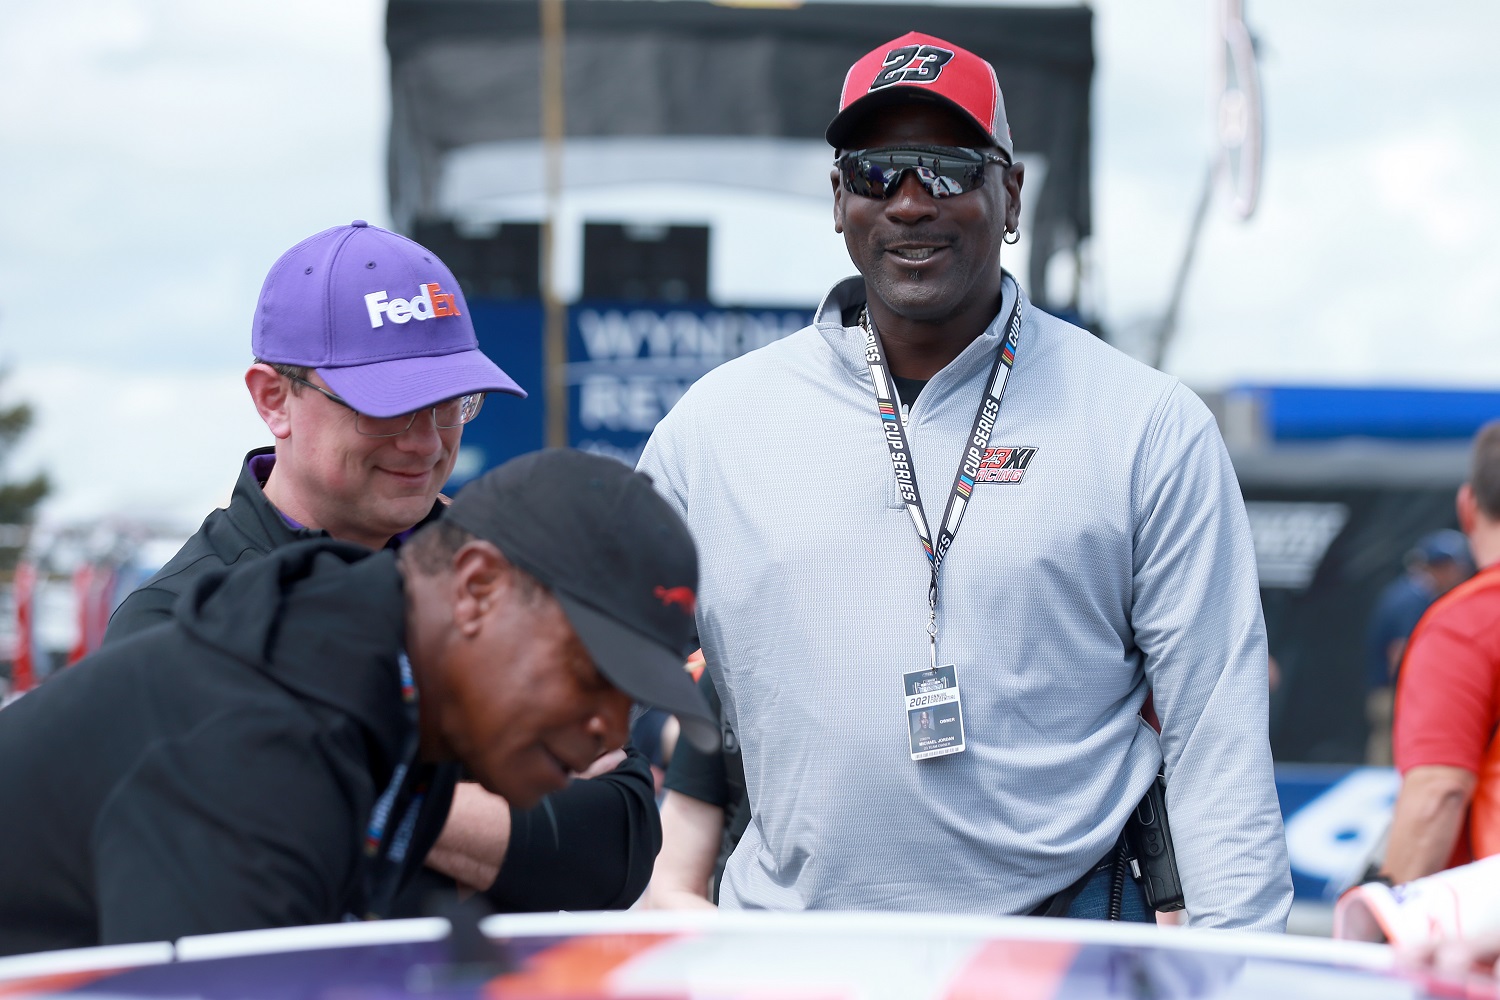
pixel 1197 620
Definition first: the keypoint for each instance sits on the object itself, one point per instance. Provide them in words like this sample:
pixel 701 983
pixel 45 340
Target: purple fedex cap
pixel 378 316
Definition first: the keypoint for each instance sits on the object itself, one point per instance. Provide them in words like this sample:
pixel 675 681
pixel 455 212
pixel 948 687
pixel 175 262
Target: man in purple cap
pixel 885 538
pixel 366 369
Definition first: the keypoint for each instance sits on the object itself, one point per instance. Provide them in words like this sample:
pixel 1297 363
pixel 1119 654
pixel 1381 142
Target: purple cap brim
pixel 391 388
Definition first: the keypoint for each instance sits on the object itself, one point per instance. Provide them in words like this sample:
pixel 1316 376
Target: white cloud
pixel 159 448
pixel 1370 257
pixel 1435 182
pixel 1345 276
pixel 172 149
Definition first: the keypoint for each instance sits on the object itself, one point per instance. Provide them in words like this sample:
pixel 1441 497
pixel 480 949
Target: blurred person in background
pixel 366 369
pixel 1438 562
pixel 232 772
pixel 1099 549
pixel 1447 712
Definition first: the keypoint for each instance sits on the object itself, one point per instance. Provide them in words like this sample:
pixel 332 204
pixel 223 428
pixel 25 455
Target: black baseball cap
pixel 617 558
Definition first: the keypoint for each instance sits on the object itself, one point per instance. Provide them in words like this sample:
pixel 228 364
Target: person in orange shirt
pixel 1448 702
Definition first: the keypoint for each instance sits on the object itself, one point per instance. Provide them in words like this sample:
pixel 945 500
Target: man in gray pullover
pixel 880 536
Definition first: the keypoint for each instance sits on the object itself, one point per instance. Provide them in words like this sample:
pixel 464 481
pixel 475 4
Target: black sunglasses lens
pixel 876 173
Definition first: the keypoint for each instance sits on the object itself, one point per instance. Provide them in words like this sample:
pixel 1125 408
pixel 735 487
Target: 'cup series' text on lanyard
pixel 902 465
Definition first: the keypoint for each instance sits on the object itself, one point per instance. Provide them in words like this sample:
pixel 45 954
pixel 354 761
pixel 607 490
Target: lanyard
pixel 386 845
pixel 900 449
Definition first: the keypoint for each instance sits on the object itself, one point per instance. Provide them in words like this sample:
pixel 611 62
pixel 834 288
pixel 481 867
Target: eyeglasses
pixel 448 414
pixel 943 171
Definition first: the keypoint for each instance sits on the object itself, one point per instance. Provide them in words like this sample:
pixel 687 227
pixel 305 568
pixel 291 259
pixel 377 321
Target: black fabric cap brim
pixel 649 672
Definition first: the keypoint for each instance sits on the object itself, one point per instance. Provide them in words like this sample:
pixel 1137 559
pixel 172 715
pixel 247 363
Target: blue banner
pixel 628 363
pixel 510 334
pixel 1336 818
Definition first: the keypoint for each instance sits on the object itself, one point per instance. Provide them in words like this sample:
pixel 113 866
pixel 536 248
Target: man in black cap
pixel 220 776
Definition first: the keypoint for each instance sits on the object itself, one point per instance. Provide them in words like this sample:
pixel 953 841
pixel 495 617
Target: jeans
pixel 1092 901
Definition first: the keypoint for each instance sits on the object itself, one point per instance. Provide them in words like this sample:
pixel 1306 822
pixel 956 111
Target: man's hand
pixel 1430 813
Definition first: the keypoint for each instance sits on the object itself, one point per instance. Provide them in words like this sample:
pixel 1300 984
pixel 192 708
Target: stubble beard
pixel 906 293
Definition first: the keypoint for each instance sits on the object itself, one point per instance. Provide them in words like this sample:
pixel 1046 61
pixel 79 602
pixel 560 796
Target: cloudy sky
pixel 159 154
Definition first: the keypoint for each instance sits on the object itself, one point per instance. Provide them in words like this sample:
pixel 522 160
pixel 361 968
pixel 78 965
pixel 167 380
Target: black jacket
pixel 212 774
pixel 588 847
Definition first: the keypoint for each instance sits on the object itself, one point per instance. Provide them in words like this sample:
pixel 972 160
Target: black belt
pixel 1057 904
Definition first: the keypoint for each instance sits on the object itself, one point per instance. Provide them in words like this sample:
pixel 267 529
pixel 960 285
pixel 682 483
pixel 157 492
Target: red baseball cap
pixel 922 67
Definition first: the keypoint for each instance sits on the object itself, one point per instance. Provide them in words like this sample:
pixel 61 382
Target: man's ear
pixel 271 395
pixel 1015 176
pixel 482 577
pixel 838 200
pixel 1468 510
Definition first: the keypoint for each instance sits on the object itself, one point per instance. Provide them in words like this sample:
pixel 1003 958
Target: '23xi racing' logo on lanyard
pixel 1006 464
pixel 911 64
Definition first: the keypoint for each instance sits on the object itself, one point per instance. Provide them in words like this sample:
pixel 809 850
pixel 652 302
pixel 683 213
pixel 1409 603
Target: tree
pixel 18 498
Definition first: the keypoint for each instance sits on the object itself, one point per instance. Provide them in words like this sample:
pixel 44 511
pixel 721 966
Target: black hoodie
pixel 212 773
pixel 590 846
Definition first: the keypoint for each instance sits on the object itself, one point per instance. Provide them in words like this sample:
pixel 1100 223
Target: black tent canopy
pixel 467 72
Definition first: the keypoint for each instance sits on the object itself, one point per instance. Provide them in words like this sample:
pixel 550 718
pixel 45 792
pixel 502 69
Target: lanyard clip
pixel 932 637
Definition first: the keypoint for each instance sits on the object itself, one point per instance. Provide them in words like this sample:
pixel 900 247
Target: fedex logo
pixel 431 301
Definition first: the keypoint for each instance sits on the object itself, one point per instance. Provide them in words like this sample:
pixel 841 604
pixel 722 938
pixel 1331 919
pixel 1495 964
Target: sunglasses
pixel 943 171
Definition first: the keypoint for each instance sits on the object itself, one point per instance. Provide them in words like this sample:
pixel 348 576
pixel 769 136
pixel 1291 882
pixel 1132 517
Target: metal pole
pixel 555 338
pixel 1168 325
